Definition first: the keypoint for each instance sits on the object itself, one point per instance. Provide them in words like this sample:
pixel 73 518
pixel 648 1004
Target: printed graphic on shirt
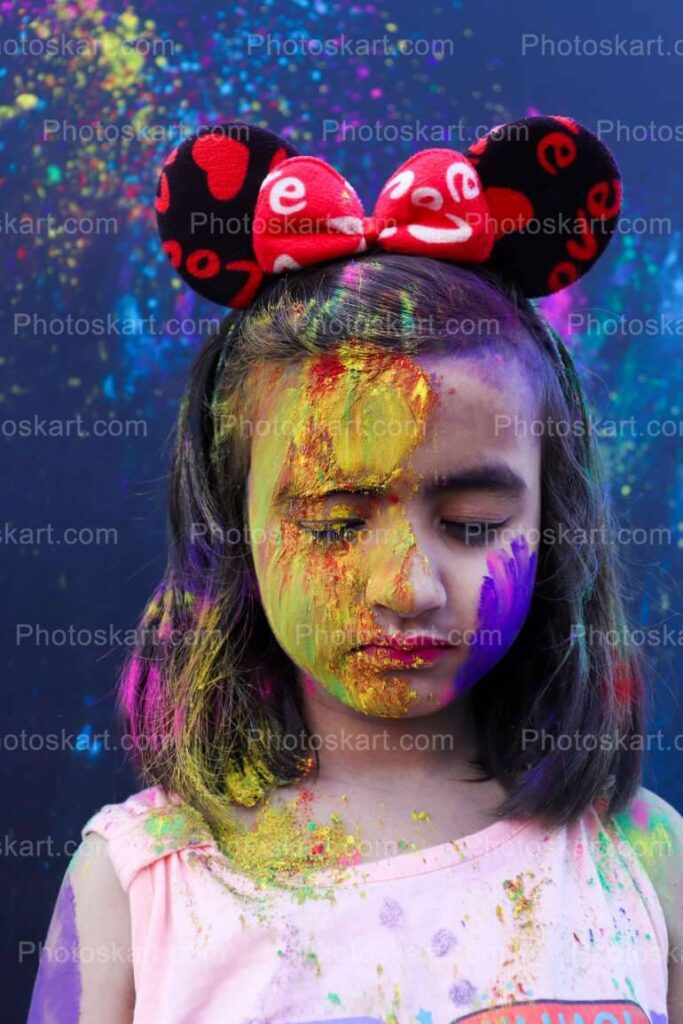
pixel 557 1011
pixel 545 1011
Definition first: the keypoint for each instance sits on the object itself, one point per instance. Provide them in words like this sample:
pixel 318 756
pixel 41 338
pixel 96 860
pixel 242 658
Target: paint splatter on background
pixel 94 127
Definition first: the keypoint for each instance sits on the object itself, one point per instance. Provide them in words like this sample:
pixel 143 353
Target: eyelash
pixel 329 535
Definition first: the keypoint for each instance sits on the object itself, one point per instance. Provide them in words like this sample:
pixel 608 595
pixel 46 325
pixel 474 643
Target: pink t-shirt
pixel 563 924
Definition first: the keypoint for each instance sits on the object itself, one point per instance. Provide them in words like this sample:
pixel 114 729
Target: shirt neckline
pixel 410 863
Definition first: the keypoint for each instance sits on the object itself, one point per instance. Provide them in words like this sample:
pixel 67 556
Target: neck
pixel 353 746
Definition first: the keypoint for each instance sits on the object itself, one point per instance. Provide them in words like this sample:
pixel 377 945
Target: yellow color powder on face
pixel 334 406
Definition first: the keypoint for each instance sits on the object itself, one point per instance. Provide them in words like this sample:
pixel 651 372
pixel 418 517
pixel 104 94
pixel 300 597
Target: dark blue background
pixel 120 482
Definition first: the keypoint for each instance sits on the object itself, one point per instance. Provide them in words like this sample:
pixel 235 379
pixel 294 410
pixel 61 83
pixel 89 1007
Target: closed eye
pixel 474 534
pixel 338 530
pixel 325 531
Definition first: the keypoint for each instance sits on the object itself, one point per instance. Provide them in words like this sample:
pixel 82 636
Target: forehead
pixel 479 400
pixel 390 415
pixel 365 371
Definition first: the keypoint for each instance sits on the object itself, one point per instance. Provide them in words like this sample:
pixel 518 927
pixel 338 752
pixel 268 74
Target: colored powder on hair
pixel 407 312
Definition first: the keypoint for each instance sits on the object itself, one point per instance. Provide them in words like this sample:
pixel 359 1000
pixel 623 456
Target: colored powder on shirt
pixel 286 842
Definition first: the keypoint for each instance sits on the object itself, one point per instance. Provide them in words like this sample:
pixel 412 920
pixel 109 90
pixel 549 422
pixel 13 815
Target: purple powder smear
pixel 504 602
pixel 443 942
pixel 57 990
pixel 462 992
pixel 391 913
pixel 345 1020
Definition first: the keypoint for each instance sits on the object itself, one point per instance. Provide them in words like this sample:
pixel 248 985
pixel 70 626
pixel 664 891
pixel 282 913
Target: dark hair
pixel 205 693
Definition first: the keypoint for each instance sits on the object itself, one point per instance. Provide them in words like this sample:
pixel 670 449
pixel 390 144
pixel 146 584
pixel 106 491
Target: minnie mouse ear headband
pixel 536 201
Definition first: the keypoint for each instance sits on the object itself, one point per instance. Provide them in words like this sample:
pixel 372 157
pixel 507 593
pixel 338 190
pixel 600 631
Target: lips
pixel 409 643
pixel 411 651
pixel 419 656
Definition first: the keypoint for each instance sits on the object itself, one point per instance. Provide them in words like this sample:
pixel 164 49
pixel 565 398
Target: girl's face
pixel 391 495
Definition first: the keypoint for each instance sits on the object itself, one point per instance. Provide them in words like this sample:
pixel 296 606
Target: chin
pixel 427 692
pixel 433 694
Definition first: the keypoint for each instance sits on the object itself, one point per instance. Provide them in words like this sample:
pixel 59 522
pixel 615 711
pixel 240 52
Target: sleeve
pixel 149 825
pixel 632 858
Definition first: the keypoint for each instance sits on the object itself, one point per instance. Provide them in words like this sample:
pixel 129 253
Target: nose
pixel 406 585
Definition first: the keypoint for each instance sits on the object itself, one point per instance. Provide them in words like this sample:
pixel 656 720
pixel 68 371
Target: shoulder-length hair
pixel 559 719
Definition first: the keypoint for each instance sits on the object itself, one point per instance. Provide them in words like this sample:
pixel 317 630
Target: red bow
pixel 434 205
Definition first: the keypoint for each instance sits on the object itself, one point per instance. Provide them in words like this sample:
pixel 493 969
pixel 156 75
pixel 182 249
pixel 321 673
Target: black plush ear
pixel 205 203
pixel 554 192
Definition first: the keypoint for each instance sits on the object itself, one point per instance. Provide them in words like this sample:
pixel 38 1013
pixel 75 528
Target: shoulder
pixel 86 967
pixel 147 826
pixel 101 905
pixel 102 914
pixel 91 871
pixel 654 829
pixel 111 817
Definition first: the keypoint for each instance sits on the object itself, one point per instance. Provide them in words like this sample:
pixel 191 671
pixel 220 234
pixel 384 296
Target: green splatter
pixel 600 864
pixel 175 827
pixel 407 310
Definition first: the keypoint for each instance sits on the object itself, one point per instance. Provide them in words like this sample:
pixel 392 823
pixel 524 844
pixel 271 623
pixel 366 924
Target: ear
pixel 205 202
pixel 554 191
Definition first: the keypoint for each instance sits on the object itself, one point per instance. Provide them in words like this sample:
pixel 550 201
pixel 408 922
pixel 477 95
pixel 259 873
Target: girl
pixel 391 751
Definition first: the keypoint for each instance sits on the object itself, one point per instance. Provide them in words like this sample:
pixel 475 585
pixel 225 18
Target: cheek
pixel 317 596
pixel 308 594
pixel 503 601
pixel 313 599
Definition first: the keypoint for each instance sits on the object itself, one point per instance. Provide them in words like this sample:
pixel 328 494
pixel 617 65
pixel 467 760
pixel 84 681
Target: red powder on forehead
pixel 325 370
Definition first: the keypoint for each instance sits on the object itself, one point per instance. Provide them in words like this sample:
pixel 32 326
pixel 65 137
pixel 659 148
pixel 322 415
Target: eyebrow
pixel 495 477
